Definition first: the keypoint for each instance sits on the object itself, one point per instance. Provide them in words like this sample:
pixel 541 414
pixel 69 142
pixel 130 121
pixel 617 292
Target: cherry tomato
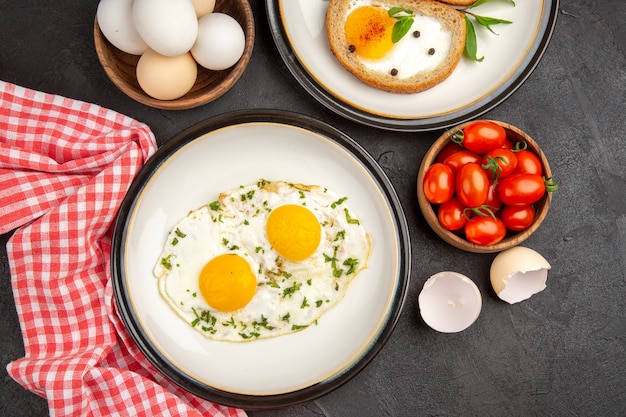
pixel 518 218
pixel 493 201
pixel 448 150
pixel 438 183
pixel 472 185
pixel 460 158
pixel 450 214
pixel 528 162
pixel 483 136
pixel 485 230
pixel 521 189
pixel 499 163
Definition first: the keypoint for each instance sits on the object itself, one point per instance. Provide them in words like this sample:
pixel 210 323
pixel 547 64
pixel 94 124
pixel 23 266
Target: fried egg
pixel 368 29
pixel 261 261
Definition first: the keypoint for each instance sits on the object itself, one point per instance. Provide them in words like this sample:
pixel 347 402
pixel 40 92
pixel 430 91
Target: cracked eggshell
pixel 449 302
pixel 518 273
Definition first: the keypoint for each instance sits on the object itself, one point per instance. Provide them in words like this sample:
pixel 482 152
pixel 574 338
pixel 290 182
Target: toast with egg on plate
pixel 360 37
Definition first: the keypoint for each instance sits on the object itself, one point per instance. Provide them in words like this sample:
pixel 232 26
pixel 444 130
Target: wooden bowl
pixel 120 66
pixel 457 239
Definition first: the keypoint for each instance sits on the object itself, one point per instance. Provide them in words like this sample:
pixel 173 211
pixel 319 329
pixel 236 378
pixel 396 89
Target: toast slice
pixel 423 58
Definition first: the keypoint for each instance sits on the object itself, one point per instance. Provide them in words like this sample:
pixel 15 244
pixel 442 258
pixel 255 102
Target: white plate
pixel 221 154
pixel 472 89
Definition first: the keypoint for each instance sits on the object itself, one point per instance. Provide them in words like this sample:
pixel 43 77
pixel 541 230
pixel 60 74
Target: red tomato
pixel 472 185
pixel 520 189
pixel 483 136
pixel 529 163
pixel 448 150
pixel 438 183
pixel 493 201
pixel 517 218
pixel 460 158
pixel 499 163
pixel 450 214
pixel 485 230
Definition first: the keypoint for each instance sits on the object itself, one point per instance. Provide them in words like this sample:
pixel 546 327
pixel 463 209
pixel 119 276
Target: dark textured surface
pixel 563 352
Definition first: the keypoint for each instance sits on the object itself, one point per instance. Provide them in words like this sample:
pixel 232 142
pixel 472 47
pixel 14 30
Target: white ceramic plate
pixel 221 154
pixel 472 89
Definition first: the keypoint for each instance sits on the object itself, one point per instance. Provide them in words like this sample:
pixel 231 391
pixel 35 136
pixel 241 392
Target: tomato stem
pixel 458 137
pixel 481 211
pixel 551 186
pixel 518 147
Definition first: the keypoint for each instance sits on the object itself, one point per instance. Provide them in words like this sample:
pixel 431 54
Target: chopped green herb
pixel 298 327
pixel 286 317
pixel 338 202
pixel 214 205
pixel 351 263
pixel 304 303
pixel 179 233
pixel 175 241
pixel 349 218
pixel 318 303
pixel 291 290
pixel 340 235
pixel 166 262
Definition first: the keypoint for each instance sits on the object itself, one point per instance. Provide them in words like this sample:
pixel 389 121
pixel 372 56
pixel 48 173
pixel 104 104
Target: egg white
pixel 290 296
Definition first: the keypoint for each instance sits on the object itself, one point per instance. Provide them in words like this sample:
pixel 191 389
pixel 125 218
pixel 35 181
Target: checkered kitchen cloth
pixel 65 166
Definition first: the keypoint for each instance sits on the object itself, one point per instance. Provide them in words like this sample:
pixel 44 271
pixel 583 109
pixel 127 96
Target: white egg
pixel 449 302
pixel 424 47
pixel 299 246
pixel 203 7
pixel 116 23
pixel 169 27
pixel 518 273
pixel 166 77
pixel 220 42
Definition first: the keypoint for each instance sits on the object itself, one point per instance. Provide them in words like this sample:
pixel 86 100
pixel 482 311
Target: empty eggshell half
pixel 449 302
pixel 518 273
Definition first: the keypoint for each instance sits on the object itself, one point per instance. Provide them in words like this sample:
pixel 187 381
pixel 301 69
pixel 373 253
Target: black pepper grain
pixel 393 72
pixel 431 51
pixel 417 34
pixel 351 48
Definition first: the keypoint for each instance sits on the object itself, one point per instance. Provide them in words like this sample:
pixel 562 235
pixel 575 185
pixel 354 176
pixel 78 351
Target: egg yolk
pixel 293 231
pixel 227 282
pixel 369 29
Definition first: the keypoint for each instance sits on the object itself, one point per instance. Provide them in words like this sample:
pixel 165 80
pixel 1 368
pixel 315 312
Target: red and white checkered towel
pixel 65 166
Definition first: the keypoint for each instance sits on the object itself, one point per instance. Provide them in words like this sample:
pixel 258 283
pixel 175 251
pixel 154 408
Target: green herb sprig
pixel 471 45
pixel 404 21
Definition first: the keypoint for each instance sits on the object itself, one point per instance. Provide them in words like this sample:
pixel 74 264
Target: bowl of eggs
pixel 484 186
pixel 174 55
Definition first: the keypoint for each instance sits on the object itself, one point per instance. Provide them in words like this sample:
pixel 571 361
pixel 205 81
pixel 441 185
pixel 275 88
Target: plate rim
pixel 338 106
pixel 124 216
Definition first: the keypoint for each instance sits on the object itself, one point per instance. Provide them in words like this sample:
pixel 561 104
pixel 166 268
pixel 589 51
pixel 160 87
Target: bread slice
pixel 382 74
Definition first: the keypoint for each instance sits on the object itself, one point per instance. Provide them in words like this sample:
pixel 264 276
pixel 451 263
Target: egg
pixel 518 273
pixel 449 302
pixel 263 260
pixel 116 23
pixel 166 78
pixel 170 27
pixel 220 42
pixel 368 27
pixel 203 7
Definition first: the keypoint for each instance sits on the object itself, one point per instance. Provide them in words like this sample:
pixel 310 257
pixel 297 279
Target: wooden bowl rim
pixel 185 102
pixel 454 239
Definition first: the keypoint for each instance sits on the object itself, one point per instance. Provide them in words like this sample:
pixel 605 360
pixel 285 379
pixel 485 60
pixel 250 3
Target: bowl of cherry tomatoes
pixel 485 186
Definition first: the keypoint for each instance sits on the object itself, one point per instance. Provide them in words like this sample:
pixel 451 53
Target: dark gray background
pixel 563 352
